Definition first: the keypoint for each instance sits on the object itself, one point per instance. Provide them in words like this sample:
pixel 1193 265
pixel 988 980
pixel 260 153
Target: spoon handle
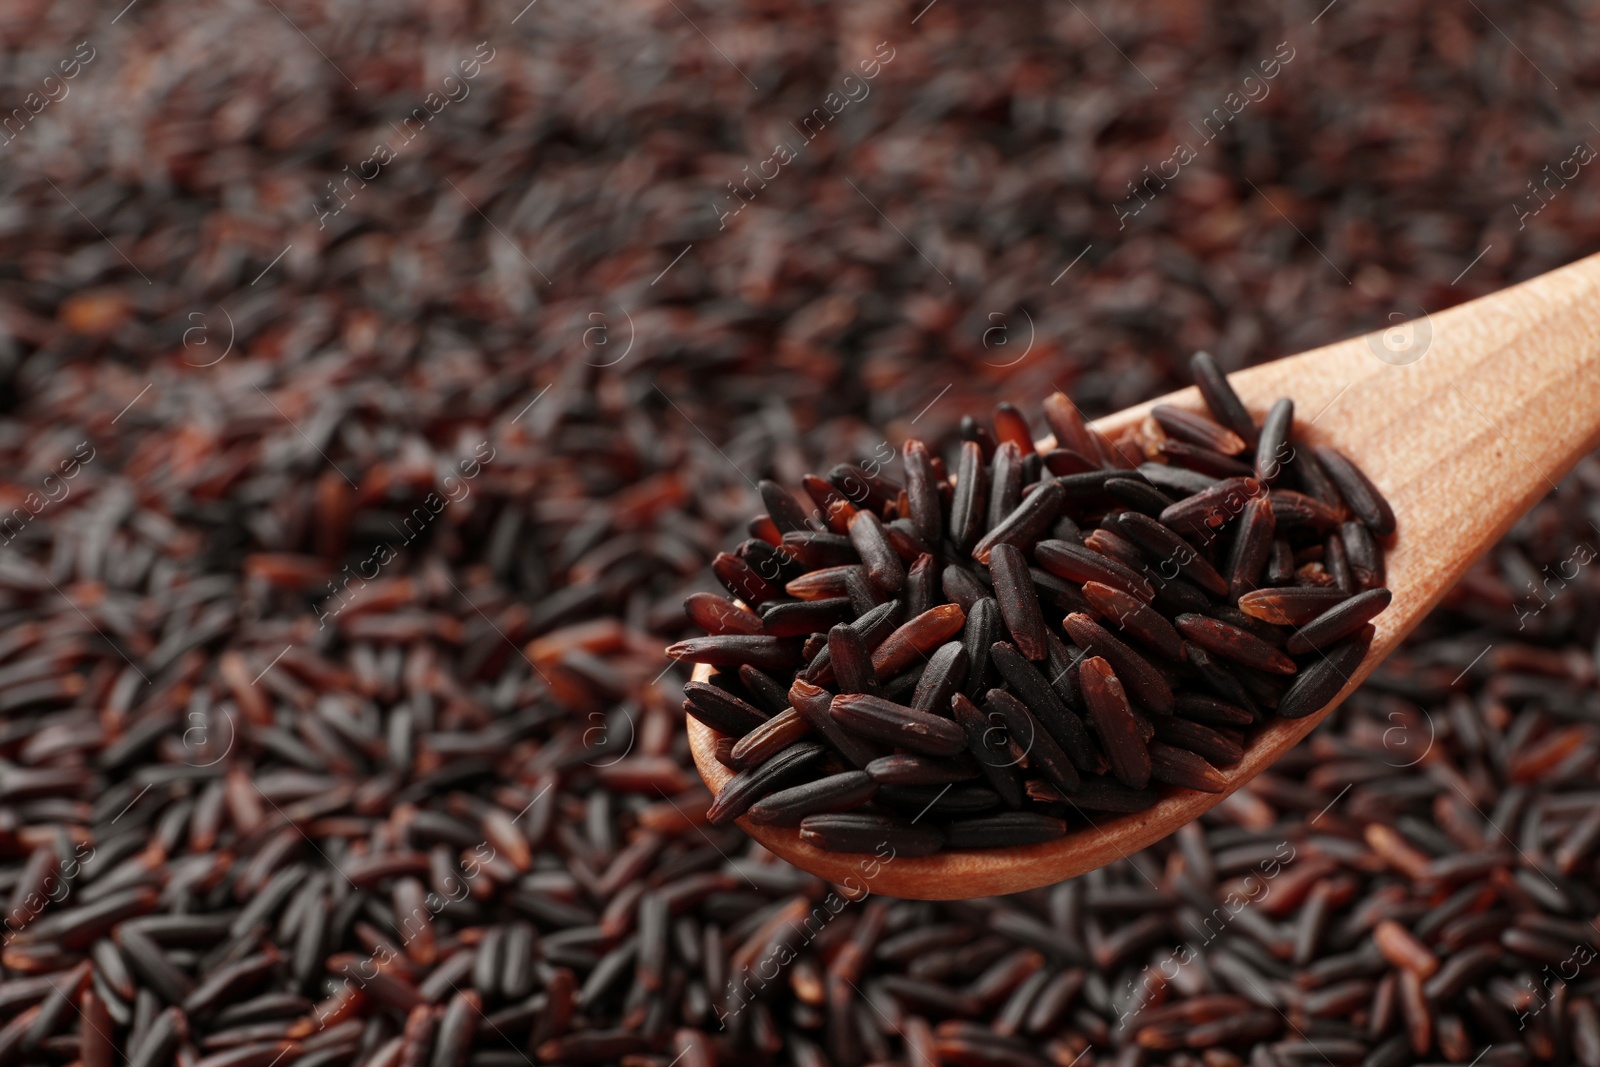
pixel 1464 419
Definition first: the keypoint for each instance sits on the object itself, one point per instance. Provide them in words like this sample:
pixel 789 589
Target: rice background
pixel 274 276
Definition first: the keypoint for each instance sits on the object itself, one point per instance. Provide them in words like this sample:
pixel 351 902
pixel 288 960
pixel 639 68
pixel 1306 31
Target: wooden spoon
pixel 1464 420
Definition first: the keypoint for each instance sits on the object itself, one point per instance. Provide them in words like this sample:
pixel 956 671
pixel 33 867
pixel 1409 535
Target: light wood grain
pixel 1505 399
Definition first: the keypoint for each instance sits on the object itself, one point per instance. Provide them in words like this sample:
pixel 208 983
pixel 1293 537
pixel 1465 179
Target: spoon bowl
pixel 1464 419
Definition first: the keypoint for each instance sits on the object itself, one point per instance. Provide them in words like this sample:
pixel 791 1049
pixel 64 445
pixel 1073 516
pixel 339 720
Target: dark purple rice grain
pixel 1175 596
pixel 765 692
pixel 1198 707
pixel 1251 551
pixel 823 583
pixel 922 490
pixel 1290 607
pixel 1197 429
pixel 979 634
pixel 1167 549
pixel 1213 465
pixel 1364 557
pixel 95 1045
pixel 1179 481
pixel 876 624
pixel 1322 679
pixel 1138 495
pixel 1292 509
pixel 962 587
pixel 770 738
pixel 922 586
pixel 160 1041
pixel 1005 484
pixel 903 538
pixel 746 787
pixel 743 581
pixel 1063 678
pixel 902 689
pixel 881 720
pixel 1220 398
pixel 1460 969
pixel 1142 681
pixel 814 704
pixel 1064 461
pixel 1280 565
pixel 1113 545
pixel 863 490
pixel 1199 515
pixel 908 646
pixel 915 800
pixel 1179 767
pixel 1090 486
pixel 147 960
pixel 1338 622
pixel 884 835
pixel 1111 717
pixel 1273 450
pixel 1233 643
pixel 769 560
pixel 1019 602
pixel 851 660
pixel 1045 702
pixel 1006 830
pixel 798 618
pixel 816 550
pixel 1362 497
pixel 831 503
pixel 1218 746
pixel 1068 425
pixel 986 742
pixel 783 507
pixel 1011 425
pixel 1336 566
pixel 717 708
pixel 1058 593
pixel 905 768
pixel 1135 617
pixel 945 673
pixel 736 650
pixel 1080 564
pixel 970 501
pixel 1024 525
pixel 884 568
pixel 1024 730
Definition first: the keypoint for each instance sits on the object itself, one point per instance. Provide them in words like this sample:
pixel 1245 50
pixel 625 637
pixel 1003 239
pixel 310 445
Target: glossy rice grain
pixel 1223 403
pixel 1136 618
pixel 1337 622
pixel 776 772
pixel 837 792
pixel 1018 600
pixel 1079 564
pixel 1197 429
pixel 882 720
pixel 1359 493
pixel 1007 830
pixel 1322 679
pixel 887 836
pixel 1034 742
pixel 1141 680
pixel 1112 718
